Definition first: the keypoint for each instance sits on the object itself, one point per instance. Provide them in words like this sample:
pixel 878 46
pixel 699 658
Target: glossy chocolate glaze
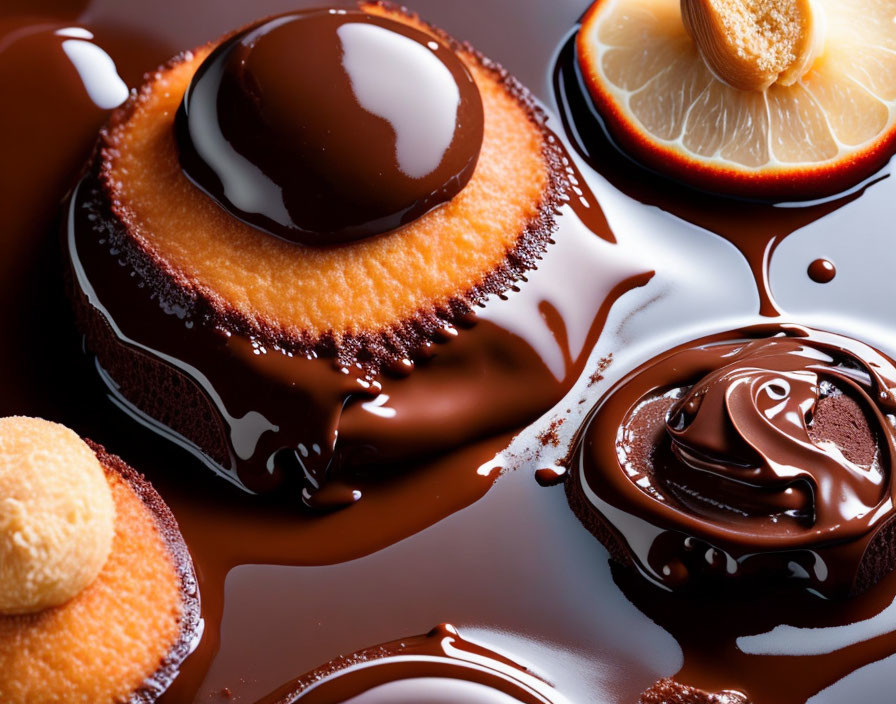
pixel 280 414
pixel 755 228
pixel 505 560
pixel 327 126
pixel 749 456
pixel 438 668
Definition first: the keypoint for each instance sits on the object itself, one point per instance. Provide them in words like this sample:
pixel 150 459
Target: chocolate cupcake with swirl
pixel 752 458
pixel 279 217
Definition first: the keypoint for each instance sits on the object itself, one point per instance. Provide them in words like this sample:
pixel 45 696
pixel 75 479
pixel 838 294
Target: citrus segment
pixel 820 135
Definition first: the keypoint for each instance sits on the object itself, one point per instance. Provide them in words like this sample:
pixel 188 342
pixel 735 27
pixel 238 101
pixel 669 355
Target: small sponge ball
pixel 57 516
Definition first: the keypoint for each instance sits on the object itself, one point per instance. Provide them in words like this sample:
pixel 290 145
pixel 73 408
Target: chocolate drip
pixel 284 591
pixel 749 457
pixel 432 669
pixel 755 228
pixel 270 420
pixel 327 126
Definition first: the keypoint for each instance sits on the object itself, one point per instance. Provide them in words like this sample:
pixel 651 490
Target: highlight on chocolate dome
pixel 493 351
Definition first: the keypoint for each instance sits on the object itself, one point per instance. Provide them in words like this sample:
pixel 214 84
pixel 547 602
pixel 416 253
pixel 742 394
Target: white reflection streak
pixel 790 640
pixel 378 407
pixel 95 67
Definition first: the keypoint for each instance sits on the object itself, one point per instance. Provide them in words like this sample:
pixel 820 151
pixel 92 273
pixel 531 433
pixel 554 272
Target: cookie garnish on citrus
pixel 752 98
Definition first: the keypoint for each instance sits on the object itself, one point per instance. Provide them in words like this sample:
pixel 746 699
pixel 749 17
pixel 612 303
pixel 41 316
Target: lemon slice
pixel 817 136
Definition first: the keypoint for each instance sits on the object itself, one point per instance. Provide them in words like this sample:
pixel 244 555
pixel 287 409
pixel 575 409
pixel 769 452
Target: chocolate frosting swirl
pixel 742 437
pixel 749 456
pixel 327 126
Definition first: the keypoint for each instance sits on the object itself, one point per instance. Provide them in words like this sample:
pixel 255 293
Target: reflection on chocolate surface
pixel 327 126
pixel 382 302
pixel 755 228
pixel 270 420
pixel 277 416
pixel 438 668
pixel 284 591
pixel 767 454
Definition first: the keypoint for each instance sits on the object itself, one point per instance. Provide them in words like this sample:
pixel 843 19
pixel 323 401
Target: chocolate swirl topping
pixel 749 457
pixel 327 126
pixel 743 440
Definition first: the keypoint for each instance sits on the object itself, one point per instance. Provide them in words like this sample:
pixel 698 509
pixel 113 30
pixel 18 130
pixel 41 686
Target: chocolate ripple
pixel 438 668
pixel 764 452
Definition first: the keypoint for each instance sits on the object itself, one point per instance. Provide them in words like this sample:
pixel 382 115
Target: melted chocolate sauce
pixel 756 229
pixel 327 126
pixel 281 414
pixel 749 455
pixel 438 668
pixel 506 560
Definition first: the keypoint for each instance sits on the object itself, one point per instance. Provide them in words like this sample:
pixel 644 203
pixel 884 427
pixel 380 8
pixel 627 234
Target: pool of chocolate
pixel 469 537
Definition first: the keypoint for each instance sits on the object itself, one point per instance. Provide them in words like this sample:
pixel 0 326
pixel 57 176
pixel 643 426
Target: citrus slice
pixel 827 130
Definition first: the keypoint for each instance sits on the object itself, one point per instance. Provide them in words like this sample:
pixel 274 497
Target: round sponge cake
pixel 371 300
pixel 124 636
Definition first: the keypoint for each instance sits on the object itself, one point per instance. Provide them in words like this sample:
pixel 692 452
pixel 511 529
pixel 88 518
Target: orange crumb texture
pixel 101 646
pixel 367 286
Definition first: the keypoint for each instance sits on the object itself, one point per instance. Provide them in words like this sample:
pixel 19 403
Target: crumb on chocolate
pixel 551 436
pixel 598 374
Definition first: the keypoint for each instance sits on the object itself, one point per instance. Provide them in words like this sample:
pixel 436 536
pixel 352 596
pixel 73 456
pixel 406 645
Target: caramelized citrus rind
pixel 774 181
pixel 125 636
pixel 393 335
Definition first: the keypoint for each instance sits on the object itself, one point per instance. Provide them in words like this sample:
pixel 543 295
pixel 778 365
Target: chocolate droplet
pixel 822 271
